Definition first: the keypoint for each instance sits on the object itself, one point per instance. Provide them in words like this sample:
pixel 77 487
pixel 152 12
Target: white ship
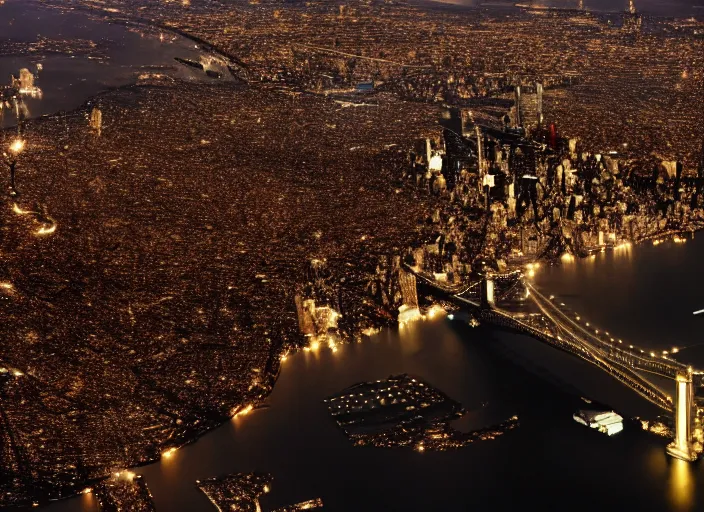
pixel 607 422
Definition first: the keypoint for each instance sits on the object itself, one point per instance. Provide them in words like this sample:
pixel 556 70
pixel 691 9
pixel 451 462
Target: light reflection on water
pixel 548 459
pixel 169 467
pixel 88 502
pixel 409 337
pixel 681 481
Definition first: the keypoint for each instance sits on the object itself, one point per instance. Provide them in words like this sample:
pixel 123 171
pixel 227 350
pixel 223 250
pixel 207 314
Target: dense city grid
pixel 171 242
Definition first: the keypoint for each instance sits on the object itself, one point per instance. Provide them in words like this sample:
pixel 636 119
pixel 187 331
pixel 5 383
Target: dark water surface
pixel 121 55
pixel 646 294
pixel 549 461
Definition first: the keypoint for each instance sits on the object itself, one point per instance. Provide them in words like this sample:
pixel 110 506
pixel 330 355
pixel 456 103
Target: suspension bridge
pixel 571 334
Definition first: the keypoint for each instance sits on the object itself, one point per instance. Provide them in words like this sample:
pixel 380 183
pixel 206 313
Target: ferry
pixel 607 422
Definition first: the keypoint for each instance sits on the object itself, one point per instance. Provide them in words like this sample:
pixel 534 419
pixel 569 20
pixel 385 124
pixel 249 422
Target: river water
pixel 120 56
pixel 645 296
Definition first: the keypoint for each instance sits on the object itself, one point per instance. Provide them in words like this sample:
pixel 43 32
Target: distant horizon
pixel 676 8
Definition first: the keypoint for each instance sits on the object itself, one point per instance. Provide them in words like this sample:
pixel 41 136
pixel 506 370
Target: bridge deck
pixel 571 337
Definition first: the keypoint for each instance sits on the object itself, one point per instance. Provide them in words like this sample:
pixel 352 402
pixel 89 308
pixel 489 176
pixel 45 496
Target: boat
pixel 606 422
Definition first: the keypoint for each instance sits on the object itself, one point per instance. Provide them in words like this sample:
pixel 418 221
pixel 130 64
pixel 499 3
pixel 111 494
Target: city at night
pixel 351 255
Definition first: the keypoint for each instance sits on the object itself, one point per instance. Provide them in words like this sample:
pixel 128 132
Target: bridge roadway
pixel 578 347
pixel 573 338
pixel 651 363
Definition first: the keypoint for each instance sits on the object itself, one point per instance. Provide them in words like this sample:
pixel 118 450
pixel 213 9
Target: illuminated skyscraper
pixel 467 123
pixel 632 20
pixel 539 101
pixel 407 282
pixel 26 80
pixel 325 318
pixel 306 315
pixel 96 120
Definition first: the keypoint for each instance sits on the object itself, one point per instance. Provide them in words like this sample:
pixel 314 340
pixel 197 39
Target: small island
pixel 404 411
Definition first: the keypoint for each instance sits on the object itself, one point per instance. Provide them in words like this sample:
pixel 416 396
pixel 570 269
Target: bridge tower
pixel 682 446
pixel 487 286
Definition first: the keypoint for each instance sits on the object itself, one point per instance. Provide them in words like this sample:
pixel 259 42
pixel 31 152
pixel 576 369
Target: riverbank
pixel 491 375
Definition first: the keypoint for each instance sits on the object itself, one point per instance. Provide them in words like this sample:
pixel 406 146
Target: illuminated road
pixel 613 349
pixel 569 335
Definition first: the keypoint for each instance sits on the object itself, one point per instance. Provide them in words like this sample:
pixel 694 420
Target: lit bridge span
pixel 563 332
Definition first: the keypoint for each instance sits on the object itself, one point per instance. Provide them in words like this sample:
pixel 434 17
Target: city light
pixel 19 211
pixel 244 411
pixel 17 146
pixel 46 230
pixel 435 310
pixel 272 165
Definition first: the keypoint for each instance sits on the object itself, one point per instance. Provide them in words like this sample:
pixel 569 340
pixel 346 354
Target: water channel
pixel 646 295
pixel 68 79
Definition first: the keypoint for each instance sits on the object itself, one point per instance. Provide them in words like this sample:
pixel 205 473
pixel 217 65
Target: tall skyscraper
pixel 407 282
pixel 306 315
pixel 96 120
pixel 539 101
pixel 26 80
